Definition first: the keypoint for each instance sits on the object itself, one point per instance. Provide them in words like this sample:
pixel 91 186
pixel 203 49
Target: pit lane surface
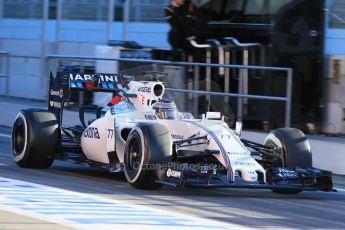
pixel 236 207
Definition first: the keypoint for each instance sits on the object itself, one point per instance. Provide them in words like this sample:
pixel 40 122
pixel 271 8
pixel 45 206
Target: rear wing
pixel 96 82
pixel 63 83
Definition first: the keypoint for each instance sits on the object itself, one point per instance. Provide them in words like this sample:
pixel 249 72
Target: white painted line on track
pixel 86 211
pixel 5 135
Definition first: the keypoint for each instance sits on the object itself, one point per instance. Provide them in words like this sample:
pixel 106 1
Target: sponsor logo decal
pixel 89 77
pixel 56 93
pixel 144 89
pixel 172 173
pixel 238 154
pixel 241 163
pixel 205 169
pixel 176 136
pixel 91 132
pixel 55 104
pixel 286 173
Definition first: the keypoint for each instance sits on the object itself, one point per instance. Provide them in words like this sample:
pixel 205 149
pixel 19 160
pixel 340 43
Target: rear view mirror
pixel 238 128
pixel 213 115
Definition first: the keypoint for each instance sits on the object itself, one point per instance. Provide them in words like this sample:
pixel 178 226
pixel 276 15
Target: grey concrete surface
pixel 12 221
pixel 249 208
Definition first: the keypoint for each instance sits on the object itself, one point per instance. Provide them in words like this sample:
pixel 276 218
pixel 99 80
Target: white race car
pixel 144 135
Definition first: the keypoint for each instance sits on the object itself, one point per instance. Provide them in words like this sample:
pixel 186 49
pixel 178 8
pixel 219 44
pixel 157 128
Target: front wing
pixel 306 179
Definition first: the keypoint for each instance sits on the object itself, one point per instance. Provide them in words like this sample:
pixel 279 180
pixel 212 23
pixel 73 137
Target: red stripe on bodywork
pixel 115 100
pixel 89 84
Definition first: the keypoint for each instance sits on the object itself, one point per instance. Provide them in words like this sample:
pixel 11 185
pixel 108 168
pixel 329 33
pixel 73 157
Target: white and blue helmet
pixel 166 109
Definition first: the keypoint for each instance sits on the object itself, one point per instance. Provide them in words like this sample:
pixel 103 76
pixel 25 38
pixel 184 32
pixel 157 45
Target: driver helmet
pixel 166 109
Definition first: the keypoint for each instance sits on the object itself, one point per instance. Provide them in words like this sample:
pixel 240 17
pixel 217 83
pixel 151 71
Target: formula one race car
pixel 145 136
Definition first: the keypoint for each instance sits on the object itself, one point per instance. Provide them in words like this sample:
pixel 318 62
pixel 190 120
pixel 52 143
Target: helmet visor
pixel 169 114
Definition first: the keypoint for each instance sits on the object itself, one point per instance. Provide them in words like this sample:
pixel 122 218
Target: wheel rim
pixel 277 163
pixel 19 138
pixel 134 158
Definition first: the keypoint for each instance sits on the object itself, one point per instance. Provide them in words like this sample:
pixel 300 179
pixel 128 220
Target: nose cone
pixel 247 167
pixel 248 175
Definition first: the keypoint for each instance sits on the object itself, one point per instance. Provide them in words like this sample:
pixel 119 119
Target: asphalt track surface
pixel 241 207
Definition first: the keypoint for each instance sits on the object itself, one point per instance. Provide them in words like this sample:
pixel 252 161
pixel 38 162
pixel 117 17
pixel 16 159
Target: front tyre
pixel 35 136
pixel 294 149
pixel 148 146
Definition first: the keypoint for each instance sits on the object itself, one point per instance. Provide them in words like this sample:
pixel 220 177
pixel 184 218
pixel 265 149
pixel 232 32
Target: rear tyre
pixel 294 148
pixel 147 146
pixel 35 137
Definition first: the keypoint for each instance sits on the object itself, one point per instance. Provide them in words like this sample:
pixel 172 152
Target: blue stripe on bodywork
pixel 80 85
pixel 111 85
pixel 73 85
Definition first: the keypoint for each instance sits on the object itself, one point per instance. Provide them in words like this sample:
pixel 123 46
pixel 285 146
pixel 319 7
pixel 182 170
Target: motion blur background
pixel 307 36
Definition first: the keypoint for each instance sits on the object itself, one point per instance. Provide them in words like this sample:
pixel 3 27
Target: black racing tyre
pixel 294 148
pixel 35 136
pixel 148 145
